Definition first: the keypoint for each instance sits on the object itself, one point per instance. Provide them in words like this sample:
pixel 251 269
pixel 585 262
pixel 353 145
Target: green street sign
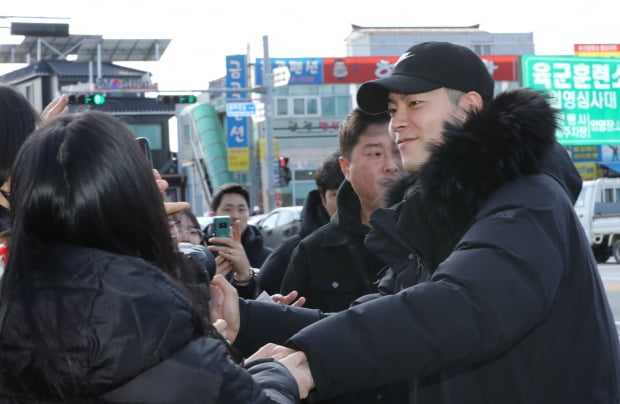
pixel 585 90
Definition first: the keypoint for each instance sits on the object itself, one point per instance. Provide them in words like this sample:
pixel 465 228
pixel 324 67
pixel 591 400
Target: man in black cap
pixel 493 294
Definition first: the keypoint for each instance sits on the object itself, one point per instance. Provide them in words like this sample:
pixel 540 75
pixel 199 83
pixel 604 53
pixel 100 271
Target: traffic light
pixel 176 99
pixel 95 99
pixel 284 172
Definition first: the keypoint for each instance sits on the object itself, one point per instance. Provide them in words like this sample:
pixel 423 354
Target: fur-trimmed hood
pixel 511 137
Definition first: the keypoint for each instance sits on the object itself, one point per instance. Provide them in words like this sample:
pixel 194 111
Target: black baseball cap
pixel 428 66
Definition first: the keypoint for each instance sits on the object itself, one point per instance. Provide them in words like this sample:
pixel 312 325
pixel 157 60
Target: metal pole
pixel 268 84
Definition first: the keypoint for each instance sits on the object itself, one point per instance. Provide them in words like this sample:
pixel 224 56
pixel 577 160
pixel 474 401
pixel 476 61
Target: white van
pixel 598 208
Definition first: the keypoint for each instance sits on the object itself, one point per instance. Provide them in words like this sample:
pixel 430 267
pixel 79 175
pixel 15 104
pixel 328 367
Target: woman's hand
pixel 171 207
pixel 224 305
pixel 57 107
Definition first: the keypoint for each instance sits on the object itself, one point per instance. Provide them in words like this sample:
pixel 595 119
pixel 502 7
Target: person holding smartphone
pixel 243 251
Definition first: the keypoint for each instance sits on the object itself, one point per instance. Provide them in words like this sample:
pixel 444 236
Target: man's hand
pixel 295 361
pixel 289 299
pixel 224 305
pixel 297 364
pixel 232 250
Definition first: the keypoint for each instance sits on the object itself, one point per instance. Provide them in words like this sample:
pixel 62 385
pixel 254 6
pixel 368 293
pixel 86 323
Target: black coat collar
pixel 511 137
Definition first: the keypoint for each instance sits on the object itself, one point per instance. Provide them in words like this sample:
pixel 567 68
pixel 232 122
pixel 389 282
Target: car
pixel 279 224
pixel 255 219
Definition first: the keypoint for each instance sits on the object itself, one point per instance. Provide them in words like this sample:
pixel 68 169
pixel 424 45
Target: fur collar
pixel 505 140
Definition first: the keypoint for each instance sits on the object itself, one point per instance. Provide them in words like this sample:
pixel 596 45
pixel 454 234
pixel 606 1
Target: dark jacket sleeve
pixel 202 372
pixel 485 296
pixel 264 322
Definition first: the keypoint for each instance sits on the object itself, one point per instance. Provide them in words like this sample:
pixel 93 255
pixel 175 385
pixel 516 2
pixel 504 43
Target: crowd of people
pixel 440 261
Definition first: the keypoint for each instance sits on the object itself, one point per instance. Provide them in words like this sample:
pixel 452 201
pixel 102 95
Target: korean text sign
pixel 586 90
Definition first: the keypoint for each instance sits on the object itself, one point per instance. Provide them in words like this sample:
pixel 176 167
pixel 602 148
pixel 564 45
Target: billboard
pixel 303 70
pixel 586 90
pixel 365 68
pixel 597 49
pixel 237 127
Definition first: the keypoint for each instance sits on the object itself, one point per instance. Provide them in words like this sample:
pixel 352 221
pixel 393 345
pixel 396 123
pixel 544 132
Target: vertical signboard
pixel 585 90
pixel 237 127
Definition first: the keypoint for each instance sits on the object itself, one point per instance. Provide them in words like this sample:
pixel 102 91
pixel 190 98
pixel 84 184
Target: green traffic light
pixel 187 99
pixel 98 99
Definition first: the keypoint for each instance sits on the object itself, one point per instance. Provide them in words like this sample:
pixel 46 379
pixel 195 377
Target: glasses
pixel 7 195
pixel 194 232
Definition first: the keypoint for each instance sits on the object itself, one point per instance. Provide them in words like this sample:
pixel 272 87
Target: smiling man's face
pixel 417 122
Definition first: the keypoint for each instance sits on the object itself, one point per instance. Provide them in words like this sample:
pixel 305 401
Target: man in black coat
pixel 494 295
pixel 319 206
pixel 331 267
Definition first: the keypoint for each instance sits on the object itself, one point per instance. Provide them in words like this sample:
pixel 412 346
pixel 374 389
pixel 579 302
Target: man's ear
pixel 471 101
pixel 344 166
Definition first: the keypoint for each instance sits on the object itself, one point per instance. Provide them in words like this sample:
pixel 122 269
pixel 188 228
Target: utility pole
pixel 269 196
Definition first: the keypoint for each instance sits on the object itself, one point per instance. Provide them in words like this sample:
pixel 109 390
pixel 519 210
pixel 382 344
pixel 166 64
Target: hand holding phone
pixel 146 148
pixel 221 225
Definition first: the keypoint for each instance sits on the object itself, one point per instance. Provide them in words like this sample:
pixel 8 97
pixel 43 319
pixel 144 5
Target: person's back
pixel 94 307
pixel 319 206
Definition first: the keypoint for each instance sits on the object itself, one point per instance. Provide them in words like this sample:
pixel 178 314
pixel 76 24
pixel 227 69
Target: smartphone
pixel 221 224
pixel 146 148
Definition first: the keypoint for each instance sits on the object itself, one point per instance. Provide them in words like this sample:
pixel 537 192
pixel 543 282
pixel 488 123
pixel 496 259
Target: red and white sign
pixel 597 49
pixel 365 68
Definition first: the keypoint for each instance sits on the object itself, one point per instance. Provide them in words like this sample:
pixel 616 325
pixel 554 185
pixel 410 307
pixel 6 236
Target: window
pixel 281 106
pixel 482 49
pixel 151 131
pixel 298 106
pixel 311 100
pixel 335 105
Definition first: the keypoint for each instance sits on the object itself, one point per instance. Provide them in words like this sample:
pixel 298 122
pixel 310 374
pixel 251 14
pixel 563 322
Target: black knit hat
pixel 428 66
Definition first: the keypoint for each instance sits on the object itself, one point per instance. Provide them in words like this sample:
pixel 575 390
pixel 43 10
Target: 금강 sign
pixel 586 90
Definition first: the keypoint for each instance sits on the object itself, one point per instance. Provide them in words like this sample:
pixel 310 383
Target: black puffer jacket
pixel 313 216
pixel 332 267
pixel 501 299
pixel 117 329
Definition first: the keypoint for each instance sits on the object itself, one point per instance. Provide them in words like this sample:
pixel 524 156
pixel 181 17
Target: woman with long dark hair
pixel 94 303
pixel 18 119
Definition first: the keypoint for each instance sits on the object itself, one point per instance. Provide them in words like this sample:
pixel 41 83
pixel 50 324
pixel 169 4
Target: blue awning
pixel 612 165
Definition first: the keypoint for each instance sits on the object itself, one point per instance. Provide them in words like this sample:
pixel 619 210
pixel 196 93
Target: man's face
pixel 329 201
pixel 417 123
pixel 235 206
pixel 374 163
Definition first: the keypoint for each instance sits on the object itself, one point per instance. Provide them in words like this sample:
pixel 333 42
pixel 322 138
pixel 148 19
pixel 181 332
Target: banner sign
pixel 303 70
pixel 586 90
pixel 366 68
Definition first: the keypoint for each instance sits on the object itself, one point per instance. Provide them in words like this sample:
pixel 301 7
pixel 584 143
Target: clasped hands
pixel 224 311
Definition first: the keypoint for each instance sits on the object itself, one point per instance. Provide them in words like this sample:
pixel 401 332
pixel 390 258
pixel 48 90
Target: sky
pixel 203 32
